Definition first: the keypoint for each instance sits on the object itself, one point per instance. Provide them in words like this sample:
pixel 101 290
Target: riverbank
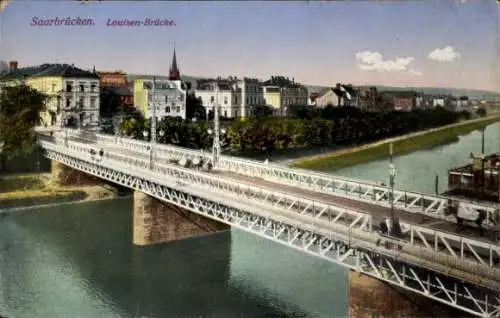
pixel 37 189
pixel 402 145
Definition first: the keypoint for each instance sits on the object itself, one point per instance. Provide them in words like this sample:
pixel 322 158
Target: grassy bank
pixel 12 183
pixel 36 189
pixel 39 197
pixel 402 145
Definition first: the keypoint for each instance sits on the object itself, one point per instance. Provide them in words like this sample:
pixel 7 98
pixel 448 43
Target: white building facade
pixel 235 97
pixel 79 102
pixel 168 98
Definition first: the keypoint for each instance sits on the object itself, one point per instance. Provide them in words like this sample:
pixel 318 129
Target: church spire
pixel 174 73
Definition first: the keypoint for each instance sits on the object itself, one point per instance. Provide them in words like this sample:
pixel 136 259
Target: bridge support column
pixel 370 297
pixel 159 222
pixel 66 176
pixel 56 171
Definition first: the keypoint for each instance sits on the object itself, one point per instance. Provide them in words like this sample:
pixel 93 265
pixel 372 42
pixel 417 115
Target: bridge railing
pixel 430 245
pixel 435 206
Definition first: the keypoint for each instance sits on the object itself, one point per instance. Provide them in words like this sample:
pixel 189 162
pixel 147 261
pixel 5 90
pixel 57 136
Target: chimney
pixel 12 66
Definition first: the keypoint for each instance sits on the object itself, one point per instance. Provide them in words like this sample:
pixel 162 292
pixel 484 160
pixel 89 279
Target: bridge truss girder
pixel 430 246
pixel 479 301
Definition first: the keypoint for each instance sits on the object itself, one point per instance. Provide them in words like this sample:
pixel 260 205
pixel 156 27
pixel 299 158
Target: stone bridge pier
pixel 370 298
pixel 66 176
pixel 156 221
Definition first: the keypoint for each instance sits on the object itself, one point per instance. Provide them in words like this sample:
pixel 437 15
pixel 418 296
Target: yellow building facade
pixel 50 86
pixel 73 93
pixel 141 97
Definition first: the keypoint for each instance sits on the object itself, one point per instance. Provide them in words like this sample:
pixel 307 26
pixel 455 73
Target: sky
pixel 445 43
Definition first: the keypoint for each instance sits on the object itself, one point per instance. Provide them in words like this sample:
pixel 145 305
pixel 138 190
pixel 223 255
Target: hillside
pixel 472 93
pixel 457 92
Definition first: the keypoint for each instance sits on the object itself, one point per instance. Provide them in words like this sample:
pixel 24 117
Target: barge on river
pixel 479 180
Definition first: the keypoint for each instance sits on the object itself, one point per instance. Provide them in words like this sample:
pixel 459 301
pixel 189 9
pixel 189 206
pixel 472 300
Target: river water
pixel 77 260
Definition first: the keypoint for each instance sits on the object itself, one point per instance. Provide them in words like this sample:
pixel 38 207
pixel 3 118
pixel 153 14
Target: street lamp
pixel 216 148
pixel 161 133
pixel 153 124
pixel 497 164
pixel 395 229
pixel 145 135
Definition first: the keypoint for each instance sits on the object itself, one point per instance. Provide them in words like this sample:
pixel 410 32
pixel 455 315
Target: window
pixel 92 102
pixel 166 98
pixel 225 113
pixel 80 102
pixel 178 109
pixel 167 109
pixel 91 118
pixel 236 99
pixel 82 87
pixel 248 100
pixel 93 87
pixel 69 86
pixel 212 99
pixel 225 100
pixel 68 102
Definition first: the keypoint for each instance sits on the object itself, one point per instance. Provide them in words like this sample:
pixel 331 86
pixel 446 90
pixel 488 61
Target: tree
pixel 194 108
pixel 110 103
pixel 261 111
pixel 481 112
pixel 20 108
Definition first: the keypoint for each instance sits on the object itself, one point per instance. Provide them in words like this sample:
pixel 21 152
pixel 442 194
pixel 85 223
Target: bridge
pixel 323 215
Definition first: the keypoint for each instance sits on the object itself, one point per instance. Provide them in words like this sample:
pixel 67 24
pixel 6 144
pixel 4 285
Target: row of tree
pixel 337 125
pixel 20 108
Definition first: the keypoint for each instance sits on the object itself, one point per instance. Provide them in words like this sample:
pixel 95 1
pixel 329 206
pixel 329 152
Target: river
pixel 77 260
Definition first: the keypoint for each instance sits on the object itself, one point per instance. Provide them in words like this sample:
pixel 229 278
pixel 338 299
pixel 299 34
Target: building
pixel 280 93
pixel 312 99
pixel 327 97
pixel 73 93
pixel 404 100
pixel 368 98
pixel 169 96
pixel 249 93
pixel 220 92
pixel 122 92
pixel 112 79
pixel 236 97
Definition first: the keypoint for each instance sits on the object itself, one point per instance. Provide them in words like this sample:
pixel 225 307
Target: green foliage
pixel 194 108
pixel 261 111
pixel 338 125
pixel 481 112
pixel 20 108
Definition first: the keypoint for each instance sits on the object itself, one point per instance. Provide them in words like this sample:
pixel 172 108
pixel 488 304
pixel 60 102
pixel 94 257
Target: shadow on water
pixel 79 260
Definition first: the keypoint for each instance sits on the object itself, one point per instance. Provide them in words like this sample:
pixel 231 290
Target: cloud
pixel 447 54
pixel 374 61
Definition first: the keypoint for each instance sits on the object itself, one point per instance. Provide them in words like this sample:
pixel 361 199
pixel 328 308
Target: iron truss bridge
pixel 430 205
pixel 460 272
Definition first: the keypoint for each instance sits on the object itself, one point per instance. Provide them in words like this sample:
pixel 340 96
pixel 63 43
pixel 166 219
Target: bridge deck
pixel 378 212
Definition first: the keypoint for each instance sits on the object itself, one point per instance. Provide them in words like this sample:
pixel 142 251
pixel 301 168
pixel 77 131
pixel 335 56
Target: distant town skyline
pixel 452 44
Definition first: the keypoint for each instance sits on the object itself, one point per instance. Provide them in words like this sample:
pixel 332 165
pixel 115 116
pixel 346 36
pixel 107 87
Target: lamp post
pixel 216 148
pixel 153 124
pixel 145 135
pixel 483 183
pixel 497 164
pixel 395 229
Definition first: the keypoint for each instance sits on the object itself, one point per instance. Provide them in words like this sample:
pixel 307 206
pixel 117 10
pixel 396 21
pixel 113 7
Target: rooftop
pixel 48 70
